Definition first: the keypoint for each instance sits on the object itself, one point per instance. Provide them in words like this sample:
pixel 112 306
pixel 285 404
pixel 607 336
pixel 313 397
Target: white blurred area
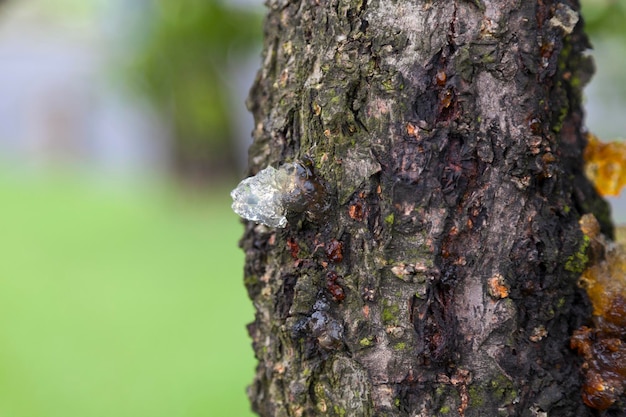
pixel 62 100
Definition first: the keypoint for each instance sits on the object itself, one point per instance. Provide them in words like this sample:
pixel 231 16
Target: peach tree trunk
pixel 442 280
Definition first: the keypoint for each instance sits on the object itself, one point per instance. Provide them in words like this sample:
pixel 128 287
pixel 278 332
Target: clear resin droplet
pixel 261 198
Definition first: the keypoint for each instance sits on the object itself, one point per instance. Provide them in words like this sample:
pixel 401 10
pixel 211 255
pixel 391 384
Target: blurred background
pixel 122 130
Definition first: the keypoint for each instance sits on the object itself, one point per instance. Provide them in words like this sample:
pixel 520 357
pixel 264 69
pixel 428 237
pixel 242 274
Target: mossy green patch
pixel 501 388
pixel 558 124
pixel 391 313
pixel 579 259
pixel 366 342
pixel 320 394
pixel 476 395
pixel 339 411
pixel 399 346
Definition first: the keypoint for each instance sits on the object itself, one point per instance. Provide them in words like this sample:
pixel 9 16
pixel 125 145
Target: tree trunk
pixel 443 278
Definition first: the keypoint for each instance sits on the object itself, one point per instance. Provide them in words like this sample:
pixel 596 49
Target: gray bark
pixel 442 281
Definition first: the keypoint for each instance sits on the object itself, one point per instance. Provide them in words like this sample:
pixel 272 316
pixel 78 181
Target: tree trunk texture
pixel 443 279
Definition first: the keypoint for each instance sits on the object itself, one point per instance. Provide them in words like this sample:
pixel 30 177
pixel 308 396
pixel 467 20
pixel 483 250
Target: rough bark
pixel 443 280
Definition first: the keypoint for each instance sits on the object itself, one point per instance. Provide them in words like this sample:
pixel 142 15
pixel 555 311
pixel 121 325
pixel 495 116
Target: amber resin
pixel 604 345
pixel 605 165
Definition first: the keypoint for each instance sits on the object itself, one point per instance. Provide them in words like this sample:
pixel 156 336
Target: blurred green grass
pixel 120 303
